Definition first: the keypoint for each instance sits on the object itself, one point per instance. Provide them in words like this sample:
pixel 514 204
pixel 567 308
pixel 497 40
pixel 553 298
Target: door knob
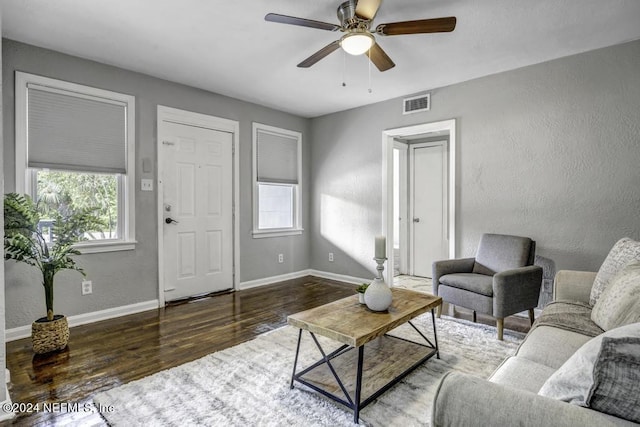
pixel 416 219
pixel 170 220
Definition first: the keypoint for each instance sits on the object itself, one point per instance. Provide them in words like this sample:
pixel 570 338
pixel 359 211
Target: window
pixel 75 148
pixel 276 176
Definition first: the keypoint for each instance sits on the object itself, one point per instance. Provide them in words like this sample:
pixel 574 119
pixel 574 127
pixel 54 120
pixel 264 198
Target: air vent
pixel 415 104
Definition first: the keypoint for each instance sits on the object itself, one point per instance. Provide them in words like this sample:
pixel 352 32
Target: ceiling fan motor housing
pixel 348 19
pixel 346 12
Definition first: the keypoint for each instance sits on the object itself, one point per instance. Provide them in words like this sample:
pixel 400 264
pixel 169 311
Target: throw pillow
pixel 573 381
pixel 616 379
pixel 623 252
pixel 619 304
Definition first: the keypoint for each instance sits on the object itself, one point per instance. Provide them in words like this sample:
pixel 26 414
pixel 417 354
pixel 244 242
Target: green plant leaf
pixel 24 241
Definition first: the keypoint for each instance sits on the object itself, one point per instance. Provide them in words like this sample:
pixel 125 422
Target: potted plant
pixel 361 290
pixel 24 241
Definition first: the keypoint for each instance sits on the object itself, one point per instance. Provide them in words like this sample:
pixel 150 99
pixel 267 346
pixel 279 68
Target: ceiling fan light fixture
pixel 356 43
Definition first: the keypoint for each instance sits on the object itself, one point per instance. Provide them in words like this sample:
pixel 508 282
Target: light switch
pixel 146 165
pixel 146 185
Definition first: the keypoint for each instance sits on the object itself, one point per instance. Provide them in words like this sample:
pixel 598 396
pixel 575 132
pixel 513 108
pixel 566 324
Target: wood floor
pixel 106 354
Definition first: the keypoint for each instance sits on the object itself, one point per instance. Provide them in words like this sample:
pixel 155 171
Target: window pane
pixel 275 206
pixel 58 190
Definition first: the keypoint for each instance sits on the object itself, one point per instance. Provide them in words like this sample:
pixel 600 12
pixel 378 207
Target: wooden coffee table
pixel 388 358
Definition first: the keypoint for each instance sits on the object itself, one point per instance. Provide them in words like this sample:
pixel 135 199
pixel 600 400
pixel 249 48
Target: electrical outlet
pixel 330 256
pixel 280 258
pixel 146 185
pixel 87 287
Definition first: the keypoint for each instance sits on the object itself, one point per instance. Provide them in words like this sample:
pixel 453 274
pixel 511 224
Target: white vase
pixel 378 295
pixel 361 297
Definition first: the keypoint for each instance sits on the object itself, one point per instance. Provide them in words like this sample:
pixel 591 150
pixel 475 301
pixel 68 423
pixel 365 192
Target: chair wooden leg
pixel 439 311
pixel 531 316
pixel 500 325
pixel 474 317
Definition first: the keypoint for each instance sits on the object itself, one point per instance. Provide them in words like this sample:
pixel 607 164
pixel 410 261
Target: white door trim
pixel 173 115
pixel 388 137
pixel 404 206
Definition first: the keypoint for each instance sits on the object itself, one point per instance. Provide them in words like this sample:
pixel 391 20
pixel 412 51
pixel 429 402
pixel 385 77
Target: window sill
pixel 107 246
pixel 261 234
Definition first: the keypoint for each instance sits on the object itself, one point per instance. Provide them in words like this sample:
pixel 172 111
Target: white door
pixel 428 206
pixel 197 180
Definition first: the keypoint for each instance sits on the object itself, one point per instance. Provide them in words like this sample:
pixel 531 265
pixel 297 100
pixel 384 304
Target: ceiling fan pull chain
pixel 369 71
pixel 344 68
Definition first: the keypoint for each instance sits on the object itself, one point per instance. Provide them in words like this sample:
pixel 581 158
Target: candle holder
pixel 380 267
pixel 378 295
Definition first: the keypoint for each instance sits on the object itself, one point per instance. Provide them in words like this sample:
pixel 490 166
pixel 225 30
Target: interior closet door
pixel 428 204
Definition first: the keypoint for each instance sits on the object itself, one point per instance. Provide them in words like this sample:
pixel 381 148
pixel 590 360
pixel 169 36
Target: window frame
pixel 296 229
pixel 26 178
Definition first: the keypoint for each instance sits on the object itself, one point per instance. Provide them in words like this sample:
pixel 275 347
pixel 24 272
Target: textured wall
pixel 549 151
pixel 122 278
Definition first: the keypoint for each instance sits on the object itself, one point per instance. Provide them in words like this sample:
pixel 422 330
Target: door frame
pixel 411 191
pixel 388 137
pixel 403 209
pixel 189 118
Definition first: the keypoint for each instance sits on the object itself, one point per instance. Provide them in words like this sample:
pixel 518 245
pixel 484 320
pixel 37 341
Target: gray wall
pixel 550 151
pixel 123 278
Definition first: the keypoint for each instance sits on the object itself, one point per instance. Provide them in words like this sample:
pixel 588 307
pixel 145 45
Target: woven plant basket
pixel 47 336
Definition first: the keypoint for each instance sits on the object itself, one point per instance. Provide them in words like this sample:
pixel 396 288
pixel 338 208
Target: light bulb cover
pixel 356 43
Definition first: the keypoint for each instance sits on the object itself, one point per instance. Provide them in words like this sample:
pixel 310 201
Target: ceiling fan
pixel 356 17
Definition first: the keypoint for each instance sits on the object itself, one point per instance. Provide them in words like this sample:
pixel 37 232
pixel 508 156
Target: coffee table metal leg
pixel 295 362
pixel 356 406
pixel 435 336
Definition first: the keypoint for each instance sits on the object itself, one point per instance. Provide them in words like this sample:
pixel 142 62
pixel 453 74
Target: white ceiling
pixel 226 46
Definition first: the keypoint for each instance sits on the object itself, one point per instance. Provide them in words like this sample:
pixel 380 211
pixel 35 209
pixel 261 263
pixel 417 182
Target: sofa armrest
pixel 570 285
pixel 516 290
pixel 450 266
pixel 464 400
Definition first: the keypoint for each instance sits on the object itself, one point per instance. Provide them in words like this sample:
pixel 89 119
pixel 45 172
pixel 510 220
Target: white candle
pixel 381 247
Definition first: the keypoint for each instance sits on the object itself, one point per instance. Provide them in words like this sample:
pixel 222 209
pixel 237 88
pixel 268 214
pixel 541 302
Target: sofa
pixel 510 396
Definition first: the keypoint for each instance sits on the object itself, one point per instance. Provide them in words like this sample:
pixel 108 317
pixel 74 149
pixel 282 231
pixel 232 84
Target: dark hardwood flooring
pixel 106 354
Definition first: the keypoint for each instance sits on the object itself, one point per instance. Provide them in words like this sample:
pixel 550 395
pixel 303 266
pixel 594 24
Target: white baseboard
pixel 297 274
pixel 273 279
pixel 110 313
pixel 339 277
pixel 84 318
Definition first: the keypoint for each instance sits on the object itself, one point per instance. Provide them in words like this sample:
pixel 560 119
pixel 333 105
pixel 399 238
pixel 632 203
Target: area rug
pixel 248 385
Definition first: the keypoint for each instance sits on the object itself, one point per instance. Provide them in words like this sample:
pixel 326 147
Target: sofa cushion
pixel 521 373
pixel 551 346
pixel 574 381
pixel 619 304
pixel 572 316
pixel 498 252
pixel 624 252
pixel 616 379
pixel 476 283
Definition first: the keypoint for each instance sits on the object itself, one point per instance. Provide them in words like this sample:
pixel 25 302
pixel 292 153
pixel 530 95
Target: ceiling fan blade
pixel 367 9
pixel 437 25
pixel 292 20
pixel 380 58
pixel 320 54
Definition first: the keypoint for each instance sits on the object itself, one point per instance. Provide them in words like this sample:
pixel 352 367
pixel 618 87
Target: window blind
pixel 75 132
pixel 277 158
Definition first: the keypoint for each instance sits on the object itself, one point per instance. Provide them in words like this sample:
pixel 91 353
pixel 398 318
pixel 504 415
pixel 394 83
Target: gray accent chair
pixel 500 281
